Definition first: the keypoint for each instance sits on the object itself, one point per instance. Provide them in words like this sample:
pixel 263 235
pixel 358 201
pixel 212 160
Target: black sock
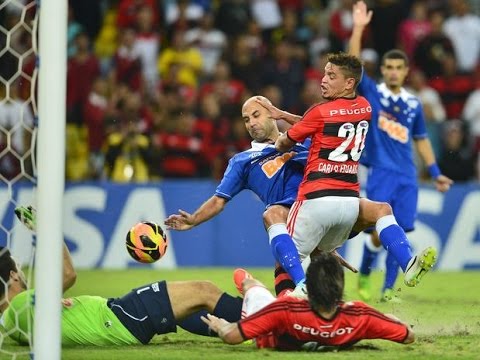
pixel 228 308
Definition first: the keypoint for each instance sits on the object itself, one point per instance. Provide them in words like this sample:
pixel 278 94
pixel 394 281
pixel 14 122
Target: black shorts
pixel 145 311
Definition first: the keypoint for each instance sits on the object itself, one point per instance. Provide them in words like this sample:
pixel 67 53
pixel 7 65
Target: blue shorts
pixel 145 311
pixel 401 192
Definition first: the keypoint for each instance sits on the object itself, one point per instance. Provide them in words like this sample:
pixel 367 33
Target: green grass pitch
pixel 444 311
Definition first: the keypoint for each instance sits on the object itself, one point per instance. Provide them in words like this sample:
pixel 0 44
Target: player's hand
pixel 181 221
pixel 361 15
pixel 443 183
pixel 275 112
pixel 214 323
pixel 344 262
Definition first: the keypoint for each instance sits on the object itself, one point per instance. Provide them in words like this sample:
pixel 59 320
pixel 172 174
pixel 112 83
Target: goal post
pixel 52 45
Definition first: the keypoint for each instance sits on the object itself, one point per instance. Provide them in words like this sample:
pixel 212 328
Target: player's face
pixel 334 83
pixel 258 122
pixel 394 72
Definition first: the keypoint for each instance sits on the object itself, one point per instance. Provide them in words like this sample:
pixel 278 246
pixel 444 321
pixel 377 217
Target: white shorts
pixel 255 299
pixel 324 223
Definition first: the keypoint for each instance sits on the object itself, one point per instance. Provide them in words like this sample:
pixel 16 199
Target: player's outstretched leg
pixel 419 265
pixel 27 216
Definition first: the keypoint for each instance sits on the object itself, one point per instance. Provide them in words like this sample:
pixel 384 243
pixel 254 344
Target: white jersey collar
pixel 387 93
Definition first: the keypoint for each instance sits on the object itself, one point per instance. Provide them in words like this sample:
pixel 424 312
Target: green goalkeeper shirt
pixel 86 320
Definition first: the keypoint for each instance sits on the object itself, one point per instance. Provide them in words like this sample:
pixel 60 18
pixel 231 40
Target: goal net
pixel 18 114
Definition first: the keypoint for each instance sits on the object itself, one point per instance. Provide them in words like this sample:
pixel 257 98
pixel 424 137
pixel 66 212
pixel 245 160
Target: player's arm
pixel 185 221
pixel 424 148
pixel 410 338
pixel 284 143
pixel 361 18
pixel 228 332
pixel 69 273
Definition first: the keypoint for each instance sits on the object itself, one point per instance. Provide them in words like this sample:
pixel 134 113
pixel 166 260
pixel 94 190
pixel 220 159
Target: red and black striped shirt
pixel 338 129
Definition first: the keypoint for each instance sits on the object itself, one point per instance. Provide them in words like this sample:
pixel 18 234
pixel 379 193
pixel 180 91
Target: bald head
pixel 258 121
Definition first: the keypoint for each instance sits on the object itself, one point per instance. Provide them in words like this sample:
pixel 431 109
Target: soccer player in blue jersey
pixel 272 175
pixel 397 119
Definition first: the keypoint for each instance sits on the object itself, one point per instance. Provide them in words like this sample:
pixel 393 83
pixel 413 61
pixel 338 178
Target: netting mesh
pixel 18 113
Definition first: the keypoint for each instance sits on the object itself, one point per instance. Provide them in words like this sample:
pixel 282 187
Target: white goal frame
pixel 52 45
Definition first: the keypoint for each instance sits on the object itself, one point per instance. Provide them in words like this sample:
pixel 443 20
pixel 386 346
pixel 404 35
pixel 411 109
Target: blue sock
pixel 394 240
pixel 391 272
pixel 285 252
pixel 369 256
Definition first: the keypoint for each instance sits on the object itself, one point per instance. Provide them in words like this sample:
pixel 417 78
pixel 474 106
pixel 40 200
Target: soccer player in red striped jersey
pixel 328 207
pixel 289 323
pixel 328 204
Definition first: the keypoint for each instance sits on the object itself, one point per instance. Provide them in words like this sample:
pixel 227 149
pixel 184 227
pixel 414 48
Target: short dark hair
pixel 325 282
pixel 395 54
pixel 7 264
pixel 350 65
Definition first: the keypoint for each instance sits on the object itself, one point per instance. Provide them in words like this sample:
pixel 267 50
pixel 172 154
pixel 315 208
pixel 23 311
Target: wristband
pixel 434 171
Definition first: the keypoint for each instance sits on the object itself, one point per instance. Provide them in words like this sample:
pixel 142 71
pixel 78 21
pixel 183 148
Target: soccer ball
pixel 146 242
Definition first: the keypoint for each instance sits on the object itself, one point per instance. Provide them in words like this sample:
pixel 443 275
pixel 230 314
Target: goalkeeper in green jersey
pixel 92 320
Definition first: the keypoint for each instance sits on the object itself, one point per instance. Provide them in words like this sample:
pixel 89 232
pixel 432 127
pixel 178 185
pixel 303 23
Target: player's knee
pixel 384 209
pixel 207 287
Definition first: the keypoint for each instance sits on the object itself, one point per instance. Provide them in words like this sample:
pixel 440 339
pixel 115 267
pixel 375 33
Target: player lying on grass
pixel 289 323
pixel 92 320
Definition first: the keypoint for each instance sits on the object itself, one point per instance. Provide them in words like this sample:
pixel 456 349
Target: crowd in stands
pixel 155 88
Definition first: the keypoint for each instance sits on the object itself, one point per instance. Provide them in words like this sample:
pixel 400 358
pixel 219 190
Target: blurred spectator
pixel 127 150
pixel 414 28
pixel 184 148
pixel 286 72
pixel 341 24
pixel 106 42
pixel 227 90
pixel 94 114
pixel 433 108
pixel 89 14
pixel 147 44
pixel 232 17
pixel 453 87
pixel 432 50
pixel 471 114
pixel 209 41
pixel 463 28
pixel 73 29
pixel 128 9
pixel 432 105
pixel 82 69
pixel 16 127
pixel 456 160
pixel 180 63
pixel 384 25
pixel 266 13
pixel 126 63
pixel 181 15
pixel 183 10
pixel 245 63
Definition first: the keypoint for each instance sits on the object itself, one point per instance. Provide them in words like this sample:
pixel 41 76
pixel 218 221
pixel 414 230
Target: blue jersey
pixel 396 119
pixel 272 175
